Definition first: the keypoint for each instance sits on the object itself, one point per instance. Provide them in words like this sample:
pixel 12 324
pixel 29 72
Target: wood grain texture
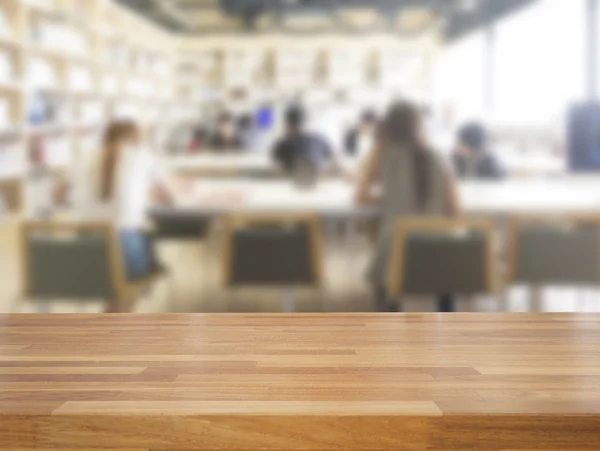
pixel 313 382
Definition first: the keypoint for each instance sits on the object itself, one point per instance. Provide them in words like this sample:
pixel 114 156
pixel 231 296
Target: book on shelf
pixel 41 73
pixel 5 27
pixel 7 68
pixel 12 161
pixel 81 79
pixel 5 113
pixel 58 37
pixel 45 4
pixel 47 112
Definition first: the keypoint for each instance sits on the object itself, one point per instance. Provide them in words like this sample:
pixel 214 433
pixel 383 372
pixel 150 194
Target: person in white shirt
pixel 118 185
pixel 40 184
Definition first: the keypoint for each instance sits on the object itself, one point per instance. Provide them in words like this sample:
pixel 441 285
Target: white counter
pixel 335 197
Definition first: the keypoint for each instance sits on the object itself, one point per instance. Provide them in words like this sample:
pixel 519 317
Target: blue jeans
pixel 137 253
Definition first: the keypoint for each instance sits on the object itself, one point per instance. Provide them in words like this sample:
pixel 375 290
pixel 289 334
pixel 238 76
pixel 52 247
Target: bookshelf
pixel 370 69
pixel 67 67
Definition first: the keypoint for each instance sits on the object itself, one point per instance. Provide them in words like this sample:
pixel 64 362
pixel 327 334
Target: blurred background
pixel 258 121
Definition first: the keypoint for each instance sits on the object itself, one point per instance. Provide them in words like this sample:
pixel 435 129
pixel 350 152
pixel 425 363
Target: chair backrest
pixel 273 251
pixel 439 256
pixel 12 193
pixel 75 261
pixel 179 228
pixel 554 251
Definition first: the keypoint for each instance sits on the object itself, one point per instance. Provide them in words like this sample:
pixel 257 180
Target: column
pixel 591 59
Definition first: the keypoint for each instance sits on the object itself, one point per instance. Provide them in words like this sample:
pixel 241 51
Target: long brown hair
pixel 401 128
pixel 116 132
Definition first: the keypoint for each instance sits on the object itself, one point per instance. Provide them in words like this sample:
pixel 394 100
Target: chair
pixel 273 251
pixel 442 257
pixel 554 250
pixel 11 194
pixel 179 228
pixel 76 261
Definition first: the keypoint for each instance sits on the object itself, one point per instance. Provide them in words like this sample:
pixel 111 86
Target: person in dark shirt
pixel 247 132
pixel 226 138
pixel 299 147
pixel 471 159
pixel 199 139
pixel 366 128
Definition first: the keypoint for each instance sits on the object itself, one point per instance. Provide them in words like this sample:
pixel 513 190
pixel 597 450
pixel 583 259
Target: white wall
pixel 459 77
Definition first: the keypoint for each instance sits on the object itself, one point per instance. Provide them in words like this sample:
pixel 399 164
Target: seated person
pixel 299 146
pixel 412 180
pixel 471 159
pixel 226 138
pixel 40 183
pixel 199 138
pixel 359 139
pixel 118 184
pixel 247 132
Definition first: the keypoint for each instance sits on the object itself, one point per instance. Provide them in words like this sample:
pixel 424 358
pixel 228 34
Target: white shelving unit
pixel 296 68
pixel 67 67
pixel 370 70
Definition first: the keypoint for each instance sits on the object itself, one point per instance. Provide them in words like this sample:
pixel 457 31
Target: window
pixel 539 62
pixel 460 76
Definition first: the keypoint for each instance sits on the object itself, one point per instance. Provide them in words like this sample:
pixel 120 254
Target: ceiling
pixel 407 17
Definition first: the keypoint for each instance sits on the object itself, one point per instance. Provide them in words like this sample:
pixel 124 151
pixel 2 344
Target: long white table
pixel 236 164
pixel 334 198
pixel 261 164
pixel 222 164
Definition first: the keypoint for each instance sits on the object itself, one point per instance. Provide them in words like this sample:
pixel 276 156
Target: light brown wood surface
pixel 310 382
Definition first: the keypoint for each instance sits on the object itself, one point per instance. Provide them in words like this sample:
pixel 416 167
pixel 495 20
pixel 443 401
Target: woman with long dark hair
pixel 127 178
pixel 118 183
pixel 413 181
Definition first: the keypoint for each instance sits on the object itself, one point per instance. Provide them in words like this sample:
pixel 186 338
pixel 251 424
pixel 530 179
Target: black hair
pixel 401 128
pixel 368 117
pixel 245 121
pixel 295 117
pixel 225 118
pixel 473 135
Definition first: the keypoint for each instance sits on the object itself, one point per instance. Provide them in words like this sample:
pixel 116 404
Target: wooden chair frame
pixel 12 192
pixel 518 222
pixel 117 270
pixel 406 226
pixel 231 222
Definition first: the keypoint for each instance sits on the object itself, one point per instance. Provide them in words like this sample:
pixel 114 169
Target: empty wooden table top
pixel 310 382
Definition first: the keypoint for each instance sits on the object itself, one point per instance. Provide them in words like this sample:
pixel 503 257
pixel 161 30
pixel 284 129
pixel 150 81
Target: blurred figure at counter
pixel 472 159
pixel 413 181
pixel 227 137
pixel 359 139
pixel 247 132
pixel 198 139
pixel 299 147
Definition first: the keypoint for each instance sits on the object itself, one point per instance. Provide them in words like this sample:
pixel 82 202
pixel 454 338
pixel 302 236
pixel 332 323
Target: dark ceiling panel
pixel 177 15
pixel 462 24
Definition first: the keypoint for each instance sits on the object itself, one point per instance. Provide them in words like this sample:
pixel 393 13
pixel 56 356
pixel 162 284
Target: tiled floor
pixel 195 286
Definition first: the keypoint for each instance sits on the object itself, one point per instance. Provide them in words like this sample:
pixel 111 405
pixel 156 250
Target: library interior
pixel 300 225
